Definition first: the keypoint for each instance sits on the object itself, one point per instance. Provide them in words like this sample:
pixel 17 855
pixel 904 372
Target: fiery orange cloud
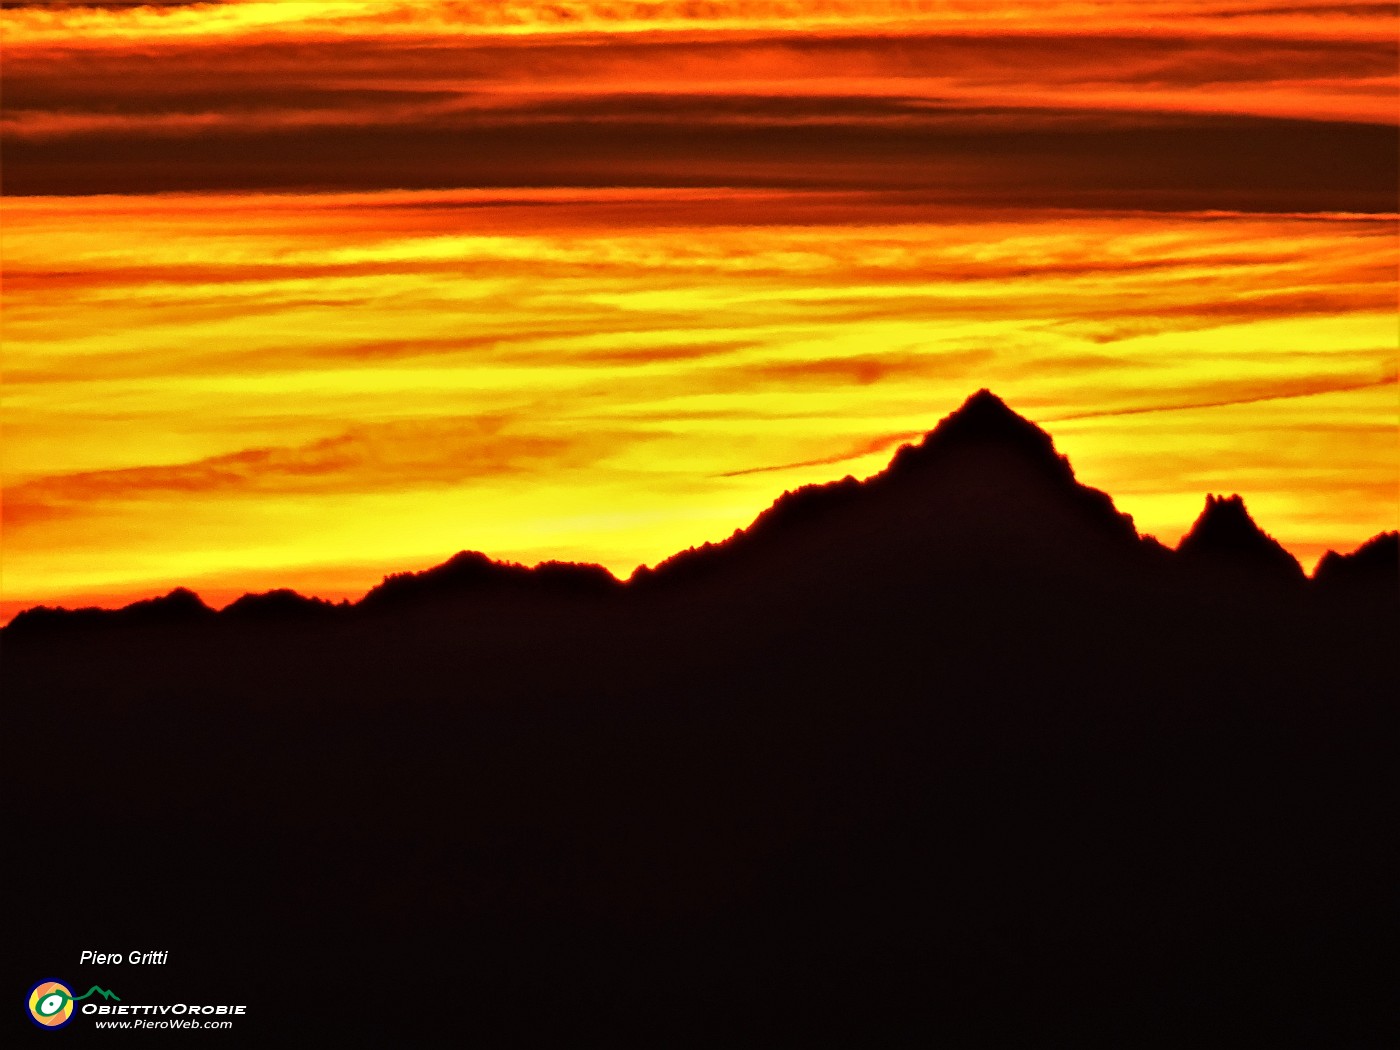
pixel 1022 98
pixel 96 25
pixel 302 294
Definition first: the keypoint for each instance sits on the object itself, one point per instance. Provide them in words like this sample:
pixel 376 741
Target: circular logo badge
pixel 51 1004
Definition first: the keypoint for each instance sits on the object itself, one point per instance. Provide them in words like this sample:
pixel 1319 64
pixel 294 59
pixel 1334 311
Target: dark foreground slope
pixel 952 755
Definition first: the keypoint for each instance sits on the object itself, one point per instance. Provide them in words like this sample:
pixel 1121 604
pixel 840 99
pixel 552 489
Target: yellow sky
pixel 269 323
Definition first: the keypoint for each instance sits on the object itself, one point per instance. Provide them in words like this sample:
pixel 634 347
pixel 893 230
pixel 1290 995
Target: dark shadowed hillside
pixel 950 755
pixel 1371 572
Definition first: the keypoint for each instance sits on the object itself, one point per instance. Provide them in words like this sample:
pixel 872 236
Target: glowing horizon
pixel 299 295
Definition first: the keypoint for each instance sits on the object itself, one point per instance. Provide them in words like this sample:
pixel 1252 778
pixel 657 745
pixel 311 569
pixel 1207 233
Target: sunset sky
pixel 298 294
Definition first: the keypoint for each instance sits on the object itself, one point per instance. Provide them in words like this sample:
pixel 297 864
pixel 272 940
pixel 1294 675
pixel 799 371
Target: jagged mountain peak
pixel 1225 535
pixel 984 486
pixel 1223 521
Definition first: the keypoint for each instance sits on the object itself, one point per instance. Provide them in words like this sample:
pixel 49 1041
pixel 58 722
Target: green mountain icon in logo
pixel 100 991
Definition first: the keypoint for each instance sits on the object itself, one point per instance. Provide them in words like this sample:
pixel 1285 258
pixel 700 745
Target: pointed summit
pixel 985 423
pixel 986 406
pixel 1226 538
pixel 986 417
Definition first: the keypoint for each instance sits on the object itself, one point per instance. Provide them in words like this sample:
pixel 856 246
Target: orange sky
pixel 300 294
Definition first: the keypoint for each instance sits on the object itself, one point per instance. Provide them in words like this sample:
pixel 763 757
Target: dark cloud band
pixel 1247 164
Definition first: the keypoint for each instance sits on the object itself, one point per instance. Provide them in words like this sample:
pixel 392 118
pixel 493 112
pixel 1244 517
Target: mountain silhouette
pixel 984 489
pixel 179 606
pixel 473 573
pixel 984 493
pixel 1226 540
pixel 280 604
pixel 951 754
pixel 1371 571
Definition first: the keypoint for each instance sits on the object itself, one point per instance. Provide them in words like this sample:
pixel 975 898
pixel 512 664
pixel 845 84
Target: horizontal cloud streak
pixel 1230 164
pixel 388 457
pixel 332 19
pixel 376 97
